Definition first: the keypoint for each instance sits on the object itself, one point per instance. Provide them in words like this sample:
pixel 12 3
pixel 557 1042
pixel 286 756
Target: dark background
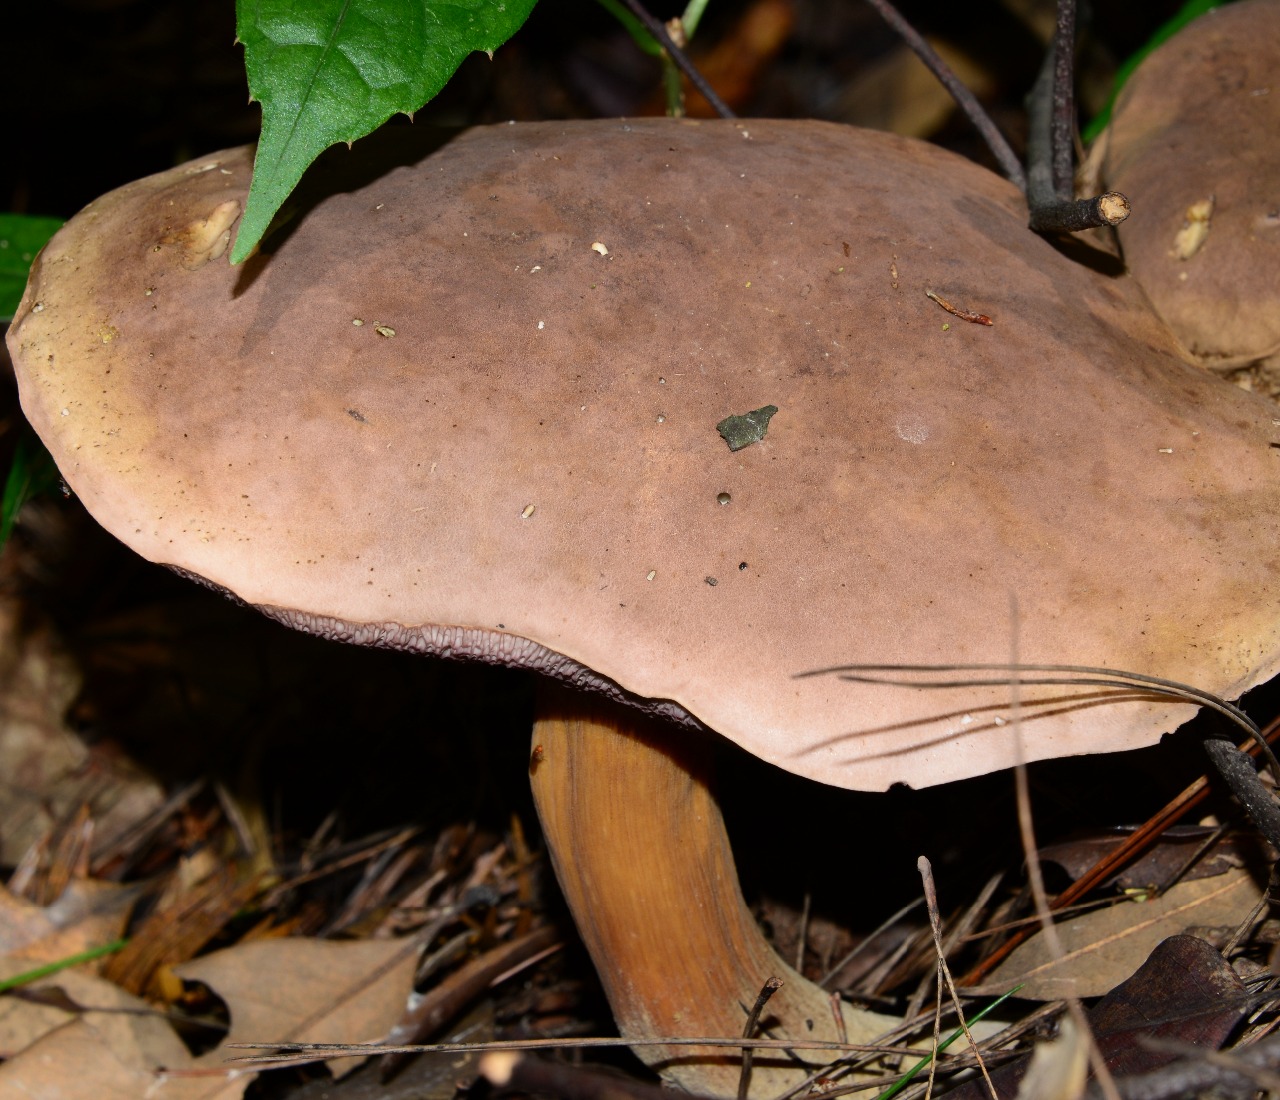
pixel 98 92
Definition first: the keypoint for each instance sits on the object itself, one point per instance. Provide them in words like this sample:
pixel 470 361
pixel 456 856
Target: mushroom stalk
pixel 641 852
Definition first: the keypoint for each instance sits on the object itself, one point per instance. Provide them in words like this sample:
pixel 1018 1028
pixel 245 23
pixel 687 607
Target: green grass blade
pixel 923 1064
pixel 29 976
pixel 31 473
pixel 329 71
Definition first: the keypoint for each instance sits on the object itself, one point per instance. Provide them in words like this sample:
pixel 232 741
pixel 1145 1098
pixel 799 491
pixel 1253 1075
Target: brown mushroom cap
pixel 434 415
pixel 1195 145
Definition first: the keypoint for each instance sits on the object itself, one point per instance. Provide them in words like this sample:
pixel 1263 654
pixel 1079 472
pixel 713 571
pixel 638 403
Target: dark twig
pixel 1063 115
pixel 1051 144
pixel 1040 189
pixel 681 59
pixel 770 987
pixel 965 99
pixel 294 1052
pixel 1240 775
pixel 1109 208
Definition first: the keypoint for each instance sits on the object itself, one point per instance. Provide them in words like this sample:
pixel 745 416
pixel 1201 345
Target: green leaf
pixel 21 237
pixel 327 71
pixel 31 473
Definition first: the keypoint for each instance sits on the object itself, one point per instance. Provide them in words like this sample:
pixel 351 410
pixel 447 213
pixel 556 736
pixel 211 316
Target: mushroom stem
pixel 641 852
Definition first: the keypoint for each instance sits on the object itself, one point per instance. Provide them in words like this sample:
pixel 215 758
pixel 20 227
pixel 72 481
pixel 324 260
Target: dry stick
pixel 937 1020
pixel 965 99
pixel 289 1053
pixel 1102 1074
pixel 884 926
pixel 804 930
pixel 1035 876
pixel 681 59
pixel 456 991
pixel 935 925
pixel 770 987
pixel 1245 927
pixel 1051 144
pixel 837 1017
pixel 1241 776
pixel 1062 124
pixel 1049 212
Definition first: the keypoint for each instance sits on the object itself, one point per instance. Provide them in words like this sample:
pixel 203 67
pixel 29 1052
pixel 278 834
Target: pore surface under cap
pixel 515 454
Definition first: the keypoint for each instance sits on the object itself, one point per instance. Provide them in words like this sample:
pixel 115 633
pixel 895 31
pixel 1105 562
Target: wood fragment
pixel 963 314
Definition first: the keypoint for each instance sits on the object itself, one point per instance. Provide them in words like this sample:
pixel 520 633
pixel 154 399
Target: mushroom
pixel 433 415
pixel 1193 144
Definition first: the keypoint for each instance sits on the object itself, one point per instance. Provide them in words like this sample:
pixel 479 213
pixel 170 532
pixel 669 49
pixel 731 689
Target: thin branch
pixel 291 1052
pixel 1051 144
pixel 965 99
pixel 1240 775
pixel 1064 102
pixel 935 926
pixel 681 59
pixel 770 987
pixel 508 1071
pixel 1073 215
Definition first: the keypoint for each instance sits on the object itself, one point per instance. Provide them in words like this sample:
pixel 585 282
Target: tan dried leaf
pixel 111 1055
pixel 308 991
pixel 1103 948
pixel 45 770
pixel 88 914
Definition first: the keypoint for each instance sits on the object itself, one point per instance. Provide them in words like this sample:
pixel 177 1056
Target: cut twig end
pixel 1114 207
pixel 1072 216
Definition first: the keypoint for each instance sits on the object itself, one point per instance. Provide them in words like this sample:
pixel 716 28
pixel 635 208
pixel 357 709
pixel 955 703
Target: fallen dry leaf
pixel 86 915
pixel 1103 947
pixel 139 1036
pixel 46 772
pixel 896 92
pixel 113 1056
pixel 1159 865
pixel 291 989
pixel 308 991
pixel 1184 991
pixel 175 934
